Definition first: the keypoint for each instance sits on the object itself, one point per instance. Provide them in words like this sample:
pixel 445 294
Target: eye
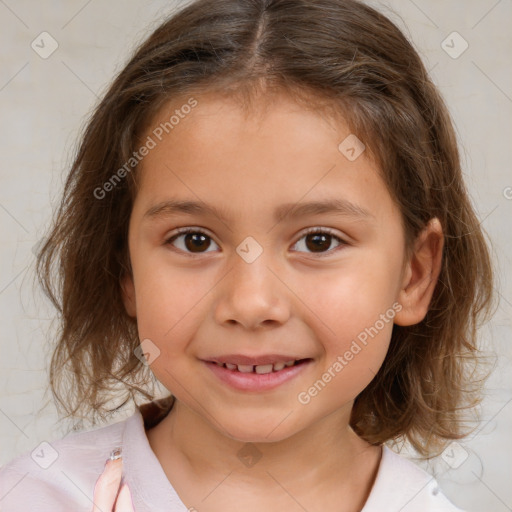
pixel 318 239
pixel 194 240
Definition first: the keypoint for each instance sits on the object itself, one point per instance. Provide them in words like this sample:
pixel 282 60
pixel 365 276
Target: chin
pixel 256 431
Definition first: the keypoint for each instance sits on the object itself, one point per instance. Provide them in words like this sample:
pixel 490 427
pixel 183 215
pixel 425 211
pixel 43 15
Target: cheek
pixel 353 311
pixel 352 297
pixel 354 356
pixel 357 353
pixel 166 303
pixel 166 311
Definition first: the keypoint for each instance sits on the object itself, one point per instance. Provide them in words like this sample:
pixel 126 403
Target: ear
pixel 421 274
pixel 128 294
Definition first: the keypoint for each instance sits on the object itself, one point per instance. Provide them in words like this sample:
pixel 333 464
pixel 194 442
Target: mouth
pixel 257 377
pixel 260 369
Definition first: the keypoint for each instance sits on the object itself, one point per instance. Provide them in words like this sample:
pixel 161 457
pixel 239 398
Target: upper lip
pixel 254 360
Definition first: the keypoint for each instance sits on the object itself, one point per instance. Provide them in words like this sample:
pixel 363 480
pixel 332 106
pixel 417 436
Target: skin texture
pixel 109 494
pixel 290 300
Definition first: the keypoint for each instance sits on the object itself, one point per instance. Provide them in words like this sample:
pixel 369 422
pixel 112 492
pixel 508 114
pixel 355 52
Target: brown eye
pixel 192 241
pixel 319 241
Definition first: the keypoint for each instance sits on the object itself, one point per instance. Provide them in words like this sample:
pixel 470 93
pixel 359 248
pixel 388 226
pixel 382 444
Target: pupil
pixel 322 238
pixel 196 241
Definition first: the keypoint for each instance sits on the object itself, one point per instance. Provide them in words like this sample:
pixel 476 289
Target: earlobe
pixel 128 294
pixel 421 275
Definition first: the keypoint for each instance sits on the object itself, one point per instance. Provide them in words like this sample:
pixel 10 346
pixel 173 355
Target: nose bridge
pixel 252 293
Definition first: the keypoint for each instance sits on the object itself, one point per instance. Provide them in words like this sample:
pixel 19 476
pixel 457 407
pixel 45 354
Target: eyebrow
pixel 341 207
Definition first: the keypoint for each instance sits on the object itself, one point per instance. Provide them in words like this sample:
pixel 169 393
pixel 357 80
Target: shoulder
pixel 403 486
pixel 59 475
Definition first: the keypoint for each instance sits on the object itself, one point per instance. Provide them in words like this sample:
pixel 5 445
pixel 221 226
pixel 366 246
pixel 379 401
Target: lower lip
pixel 256 381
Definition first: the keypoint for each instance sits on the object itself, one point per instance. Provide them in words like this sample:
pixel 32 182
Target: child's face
pixel 200 299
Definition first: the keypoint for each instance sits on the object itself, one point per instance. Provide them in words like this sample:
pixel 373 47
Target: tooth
pixel 231 366
pixel 219 364
pixel 245 368
pixel 289 363
pixel 278 366
pixel 264 368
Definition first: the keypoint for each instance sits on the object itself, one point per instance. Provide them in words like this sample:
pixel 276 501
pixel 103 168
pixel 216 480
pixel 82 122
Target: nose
pixel 252 295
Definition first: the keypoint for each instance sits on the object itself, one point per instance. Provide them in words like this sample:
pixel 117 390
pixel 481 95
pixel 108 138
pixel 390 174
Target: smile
pixel 246 377
pixel 261 368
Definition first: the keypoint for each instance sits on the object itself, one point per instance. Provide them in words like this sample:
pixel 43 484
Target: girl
pixel 267 214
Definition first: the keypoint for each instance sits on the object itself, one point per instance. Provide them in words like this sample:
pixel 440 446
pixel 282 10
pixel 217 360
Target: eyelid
pixel 317 229
pixel 192 229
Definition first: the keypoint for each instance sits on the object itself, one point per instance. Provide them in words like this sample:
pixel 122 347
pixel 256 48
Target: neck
pixel 325 454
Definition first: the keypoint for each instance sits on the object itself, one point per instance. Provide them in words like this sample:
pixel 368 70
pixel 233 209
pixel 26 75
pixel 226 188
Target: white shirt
pixel 60 477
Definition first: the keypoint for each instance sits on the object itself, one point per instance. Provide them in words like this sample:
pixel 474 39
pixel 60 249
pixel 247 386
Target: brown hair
pixel 347 58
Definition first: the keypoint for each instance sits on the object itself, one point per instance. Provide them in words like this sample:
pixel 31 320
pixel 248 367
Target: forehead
pixel 273 153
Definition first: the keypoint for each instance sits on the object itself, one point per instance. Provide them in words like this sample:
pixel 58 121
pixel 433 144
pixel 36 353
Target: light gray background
pixel 44 103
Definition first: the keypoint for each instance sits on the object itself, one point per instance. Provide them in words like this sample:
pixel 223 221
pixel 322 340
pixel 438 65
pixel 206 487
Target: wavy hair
pixel 345 58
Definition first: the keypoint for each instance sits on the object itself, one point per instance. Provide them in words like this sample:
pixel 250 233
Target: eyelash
pixel 327 231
